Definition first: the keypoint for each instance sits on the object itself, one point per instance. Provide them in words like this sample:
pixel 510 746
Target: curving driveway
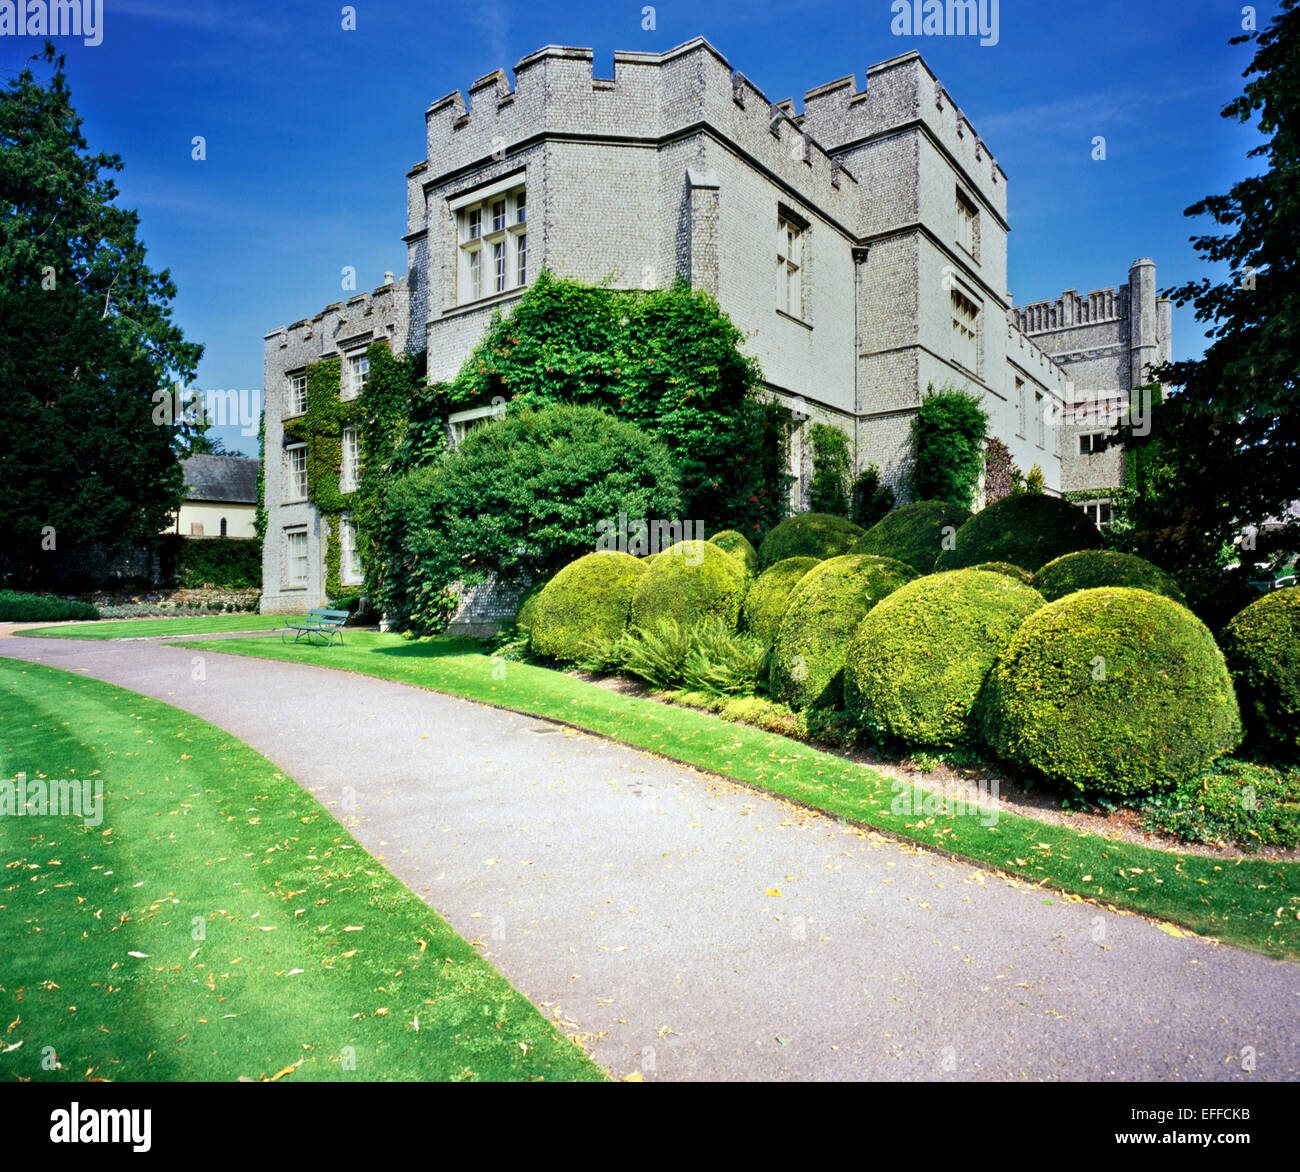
pixel 688 928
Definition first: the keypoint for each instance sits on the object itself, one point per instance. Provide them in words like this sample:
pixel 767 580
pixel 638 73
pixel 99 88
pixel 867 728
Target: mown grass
pixel 219 923
pixel 1251 902
pixel 153 628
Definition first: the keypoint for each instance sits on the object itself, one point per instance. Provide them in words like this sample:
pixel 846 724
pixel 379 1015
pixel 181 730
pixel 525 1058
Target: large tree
pixel 1223 449
pixel 88 449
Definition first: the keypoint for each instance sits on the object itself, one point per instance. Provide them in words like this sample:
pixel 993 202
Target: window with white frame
pixel 492 240
pixel 1040 421
pixel 461 423
pixel 1022 406
pixel 789 267
pixel 350 470
pixel 295 465
pixel 297 394
pixel 349 560
pixel 1098 512
pixel 965 331
pixel 968 225
pixel 1091 442
pixel 357 369
pixel 295 557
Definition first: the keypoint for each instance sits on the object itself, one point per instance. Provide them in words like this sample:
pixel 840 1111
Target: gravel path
pixel 688 928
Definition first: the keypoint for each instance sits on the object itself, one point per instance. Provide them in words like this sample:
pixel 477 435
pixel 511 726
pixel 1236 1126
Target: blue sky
pixel 310 128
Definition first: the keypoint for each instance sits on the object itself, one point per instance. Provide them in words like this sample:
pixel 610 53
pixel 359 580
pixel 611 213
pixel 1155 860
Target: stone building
pixel 1107 342
pixel 859 245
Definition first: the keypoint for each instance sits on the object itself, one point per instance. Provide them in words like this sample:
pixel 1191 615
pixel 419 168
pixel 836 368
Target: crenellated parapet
pixel 381 315
pixel 651 98
pixel 1074 309
pixel 900 93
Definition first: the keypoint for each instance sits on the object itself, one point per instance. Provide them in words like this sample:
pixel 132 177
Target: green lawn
pixel 1250 902
pixel 219 923
pixel 152 628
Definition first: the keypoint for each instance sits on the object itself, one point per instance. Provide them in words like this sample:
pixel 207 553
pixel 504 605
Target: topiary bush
pixel 737 544
pixel 526 611
pixel 1089 568
pixel 915 533
pixel 588 599
pixel 36 608
pixel 813 535
pixel 1007 568
pixel 689 582
pixel 1027 530
pixel 770 595
pixel 824 610
pixel 1113 690
pixel 917 666
pixel 1262 648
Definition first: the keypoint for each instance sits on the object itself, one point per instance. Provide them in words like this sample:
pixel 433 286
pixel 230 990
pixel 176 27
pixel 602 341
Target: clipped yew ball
pixel 915 533
pixel 737 544
pixel 589 598
pixel 526 611
pixel 1091 568
pixel 809 535
pixel 825 609
pixel 917 666
pixel 1115 691
pixel 1007 568
pixel 770 594
pixel 688 583
pixel 1027 530
pixel 1262 647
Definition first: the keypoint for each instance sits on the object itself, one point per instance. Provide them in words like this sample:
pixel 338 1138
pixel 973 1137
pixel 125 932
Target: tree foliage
pixel 1223 450
pixel 948 433
pixel 832 463
pixel 522 496
pixel 86 339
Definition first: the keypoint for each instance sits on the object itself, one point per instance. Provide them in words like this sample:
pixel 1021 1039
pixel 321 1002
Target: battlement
pixel 1074 309
pixel 651 97
pixel 900 92
pixel 379 315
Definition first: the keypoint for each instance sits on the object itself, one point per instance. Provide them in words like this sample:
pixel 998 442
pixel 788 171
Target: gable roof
pixel 229 479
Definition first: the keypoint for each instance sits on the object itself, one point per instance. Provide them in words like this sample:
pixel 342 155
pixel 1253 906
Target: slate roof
pixel 228 479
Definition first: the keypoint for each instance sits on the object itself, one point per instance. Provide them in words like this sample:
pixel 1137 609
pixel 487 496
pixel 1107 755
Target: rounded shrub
pixel 914 534
pixel 1007 568
pixel 737 544
pixel 917 666
pixel 808 535
pixel 1090 568
pixel 1262 647
pixel 770 594
pixel 689 582
pixel 1113 690
pixel 823 612
pixel 589 598
pixel 526 611
pixel 1027 530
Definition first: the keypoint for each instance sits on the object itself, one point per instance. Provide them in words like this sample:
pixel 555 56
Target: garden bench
pixel 323 623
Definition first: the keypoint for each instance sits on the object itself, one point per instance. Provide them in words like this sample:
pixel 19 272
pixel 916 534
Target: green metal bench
pixel 320 624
